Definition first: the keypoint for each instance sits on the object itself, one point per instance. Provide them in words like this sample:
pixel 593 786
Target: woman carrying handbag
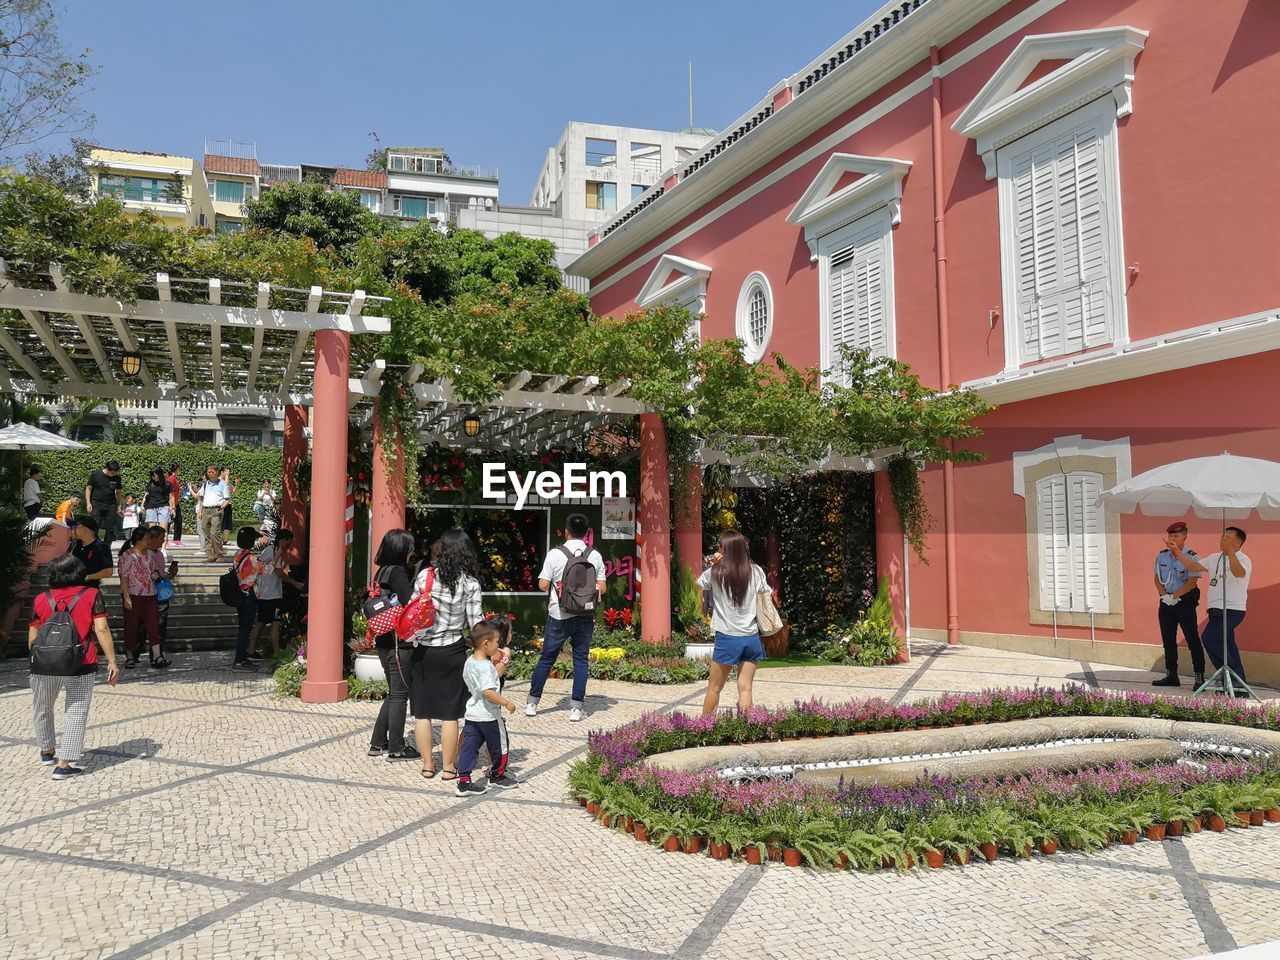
pixel 736 586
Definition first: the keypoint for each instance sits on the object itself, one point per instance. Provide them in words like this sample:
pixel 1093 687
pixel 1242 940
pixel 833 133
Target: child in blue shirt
pixel 484 714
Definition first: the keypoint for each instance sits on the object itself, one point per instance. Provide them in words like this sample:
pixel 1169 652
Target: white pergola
pixel 531 411
pixel 202 341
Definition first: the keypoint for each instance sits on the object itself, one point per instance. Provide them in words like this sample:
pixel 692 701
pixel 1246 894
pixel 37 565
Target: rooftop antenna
pixel 691 93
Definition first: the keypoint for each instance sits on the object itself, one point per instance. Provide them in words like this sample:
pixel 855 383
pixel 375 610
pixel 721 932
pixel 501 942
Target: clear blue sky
pixel 492 82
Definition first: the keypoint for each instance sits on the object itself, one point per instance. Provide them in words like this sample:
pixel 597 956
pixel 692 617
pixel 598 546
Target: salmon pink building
pixel 1069 206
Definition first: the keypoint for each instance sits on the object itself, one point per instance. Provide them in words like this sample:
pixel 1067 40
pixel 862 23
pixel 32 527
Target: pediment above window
pixel 1091 64
pixel 848 187
pixel 676 280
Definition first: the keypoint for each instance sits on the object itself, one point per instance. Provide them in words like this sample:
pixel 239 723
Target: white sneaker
pixel 576 715
pixel 531 708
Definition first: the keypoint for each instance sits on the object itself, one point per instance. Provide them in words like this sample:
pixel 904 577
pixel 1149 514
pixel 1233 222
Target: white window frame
pixel 1102 113
pixel 880 223
pixel 753 352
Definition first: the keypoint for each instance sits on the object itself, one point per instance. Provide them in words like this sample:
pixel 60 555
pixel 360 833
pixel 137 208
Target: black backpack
pixel 578 592
pixel 229 584
pixel 59 649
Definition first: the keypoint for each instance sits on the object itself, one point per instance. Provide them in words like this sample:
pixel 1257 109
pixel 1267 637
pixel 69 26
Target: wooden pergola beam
pixel 82 323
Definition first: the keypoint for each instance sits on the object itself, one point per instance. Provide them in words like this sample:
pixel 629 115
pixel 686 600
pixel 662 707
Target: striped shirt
pixel 455 610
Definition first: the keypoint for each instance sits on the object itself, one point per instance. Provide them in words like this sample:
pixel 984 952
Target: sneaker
pixel 504 781
pixel 465 788
pixel 408 753
pixel 531 708
pixel 1168 680
pixel 66 773
pixel 576 715
pixel 377 751
pixel 244 666
pixel 176 543
pixel 48 759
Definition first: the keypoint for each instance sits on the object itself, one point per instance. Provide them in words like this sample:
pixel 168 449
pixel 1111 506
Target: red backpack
pixel 419 613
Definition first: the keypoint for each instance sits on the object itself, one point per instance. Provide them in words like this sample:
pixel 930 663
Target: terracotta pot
pixel 719 851
pixel 752 853
pixel 1174 828
pixel 911 862
pixel 1026 851
pixel 605 819
pixel 1048 846
pixel 988 851
pixel 935 858
pixel 775 851
pixel 1273 814
pixel 842 861
pixel 628 824
pixel 671 844
pixel 692 845
pixel 1241 819
pixel 960 856
pixel 1215 823
pixel 641 833
pixel 792 857
pixel 887 863
pixel 1156 831
pixel 1257 818
pixel 593 808
pixel 582 801
pixel 1129 837
pixel 1195 824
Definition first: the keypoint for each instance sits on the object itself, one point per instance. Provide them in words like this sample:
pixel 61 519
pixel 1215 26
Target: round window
pixel 755 316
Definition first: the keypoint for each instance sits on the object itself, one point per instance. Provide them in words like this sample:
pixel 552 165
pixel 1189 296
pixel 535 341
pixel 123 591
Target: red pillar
pixel 327 568
pixel 689 521
pixel 655 523
pixel 293 510
pixel 388 487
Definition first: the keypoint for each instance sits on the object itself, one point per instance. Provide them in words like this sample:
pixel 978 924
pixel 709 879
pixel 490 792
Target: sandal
pixel 162 662
pixel 445 776
pixel 130 662
pixel 428 774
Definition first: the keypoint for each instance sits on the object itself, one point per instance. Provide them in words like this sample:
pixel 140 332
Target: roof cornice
pixel 878 64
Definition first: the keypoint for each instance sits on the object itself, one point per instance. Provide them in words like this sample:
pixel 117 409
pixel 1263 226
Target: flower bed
pixel 634 664
pixel 937 818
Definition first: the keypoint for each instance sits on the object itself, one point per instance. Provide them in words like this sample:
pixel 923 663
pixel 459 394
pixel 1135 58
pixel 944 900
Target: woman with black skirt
pixel 436 688
pixel 392 561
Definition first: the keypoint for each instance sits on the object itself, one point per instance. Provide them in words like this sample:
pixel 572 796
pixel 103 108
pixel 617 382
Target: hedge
pixel 66 471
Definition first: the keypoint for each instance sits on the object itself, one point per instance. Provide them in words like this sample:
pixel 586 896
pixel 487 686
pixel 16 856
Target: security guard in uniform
pixel 1179 596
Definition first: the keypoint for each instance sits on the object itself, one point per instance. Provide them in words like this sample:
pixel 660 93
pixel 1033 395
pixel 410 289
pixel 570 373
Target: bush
pixel 65 472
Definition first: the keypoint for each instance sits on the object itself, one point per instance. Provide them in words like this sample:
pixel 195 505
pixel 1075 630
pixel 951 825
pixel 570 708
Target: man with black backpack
pixel 573 577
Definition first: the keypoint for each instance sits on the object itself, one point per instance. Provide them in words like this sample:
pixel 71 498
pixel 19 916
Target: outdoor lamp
pixel 131 362
pixel 471 425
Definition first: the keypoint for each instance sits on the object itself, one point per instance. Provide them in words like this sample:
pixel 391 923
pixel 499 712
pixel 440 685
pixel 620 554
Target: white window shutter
pixel 1088 544
pixel 1053 543
pixel 859 298
pixel 1061 251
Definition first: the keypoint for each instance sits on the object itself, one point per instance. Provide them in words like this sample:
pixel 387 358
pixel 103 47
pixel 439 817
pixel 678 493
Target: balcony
pixel 137 199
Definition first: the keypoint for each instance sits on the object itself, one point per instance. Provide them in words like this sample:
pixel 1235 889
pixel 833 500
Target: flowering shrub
pixel 869 826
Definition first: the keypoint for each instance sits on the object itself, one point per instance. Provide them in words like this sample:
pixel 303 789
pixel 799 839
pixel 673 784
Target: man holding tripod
pixel 1229 571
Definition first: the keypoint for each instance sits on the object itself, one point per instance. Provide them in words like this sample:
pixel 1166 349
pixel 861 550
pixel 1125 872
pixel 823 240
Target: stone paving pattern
pixel 217 821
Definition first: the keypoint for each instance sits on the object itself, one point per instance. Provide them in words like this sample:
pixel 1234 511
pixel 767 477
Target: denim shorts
pixel 157 515
pixel 731 651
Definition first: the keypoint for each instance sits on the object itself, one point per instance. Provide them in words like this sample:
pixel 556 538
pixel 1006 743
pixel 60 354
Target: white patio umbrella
pixel 1222 488
pixel 23 437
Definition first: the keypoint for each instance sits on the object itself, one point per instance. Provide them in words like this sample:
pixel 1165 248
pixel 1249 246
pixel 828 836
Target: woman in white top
pixel 735 583
pixel 436 688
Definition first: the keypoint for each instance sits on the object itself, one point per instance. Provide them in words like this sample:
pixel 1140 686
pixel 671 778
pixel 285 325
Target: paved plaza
pixel 218 821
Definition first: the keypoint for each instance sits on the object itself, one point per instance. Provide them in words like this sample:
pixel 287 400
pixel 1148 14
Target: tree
pixel 331 218
pixel 133 430
pixel 40 82
pixel 75 414
pixel 68 171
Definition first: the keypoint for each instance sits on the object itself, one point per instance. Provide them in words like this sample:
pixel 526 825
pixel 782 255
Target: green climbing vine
pixel 908 500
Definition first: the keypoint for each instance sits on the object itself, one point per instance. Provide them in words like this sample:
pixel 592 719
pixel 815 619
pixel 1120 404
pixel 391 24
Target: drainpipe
pixel 944 348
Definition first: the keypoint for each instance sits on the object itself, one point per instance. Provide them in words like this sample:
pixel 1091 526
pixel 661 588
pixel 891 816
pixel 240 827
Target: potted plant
pixel 693 623
pixel 368 666
pixel 814 841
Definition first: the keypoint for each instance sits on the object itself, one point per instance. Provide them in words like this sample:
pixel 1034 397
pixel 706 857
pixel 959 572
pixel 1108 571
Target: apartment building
pixel 595 170
pixel 170 187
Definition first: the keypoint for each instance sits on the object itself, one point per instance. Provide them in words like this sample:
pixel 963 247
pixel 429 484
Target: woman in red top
pixel 138 592
pixel 248 568
pixel 89 614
